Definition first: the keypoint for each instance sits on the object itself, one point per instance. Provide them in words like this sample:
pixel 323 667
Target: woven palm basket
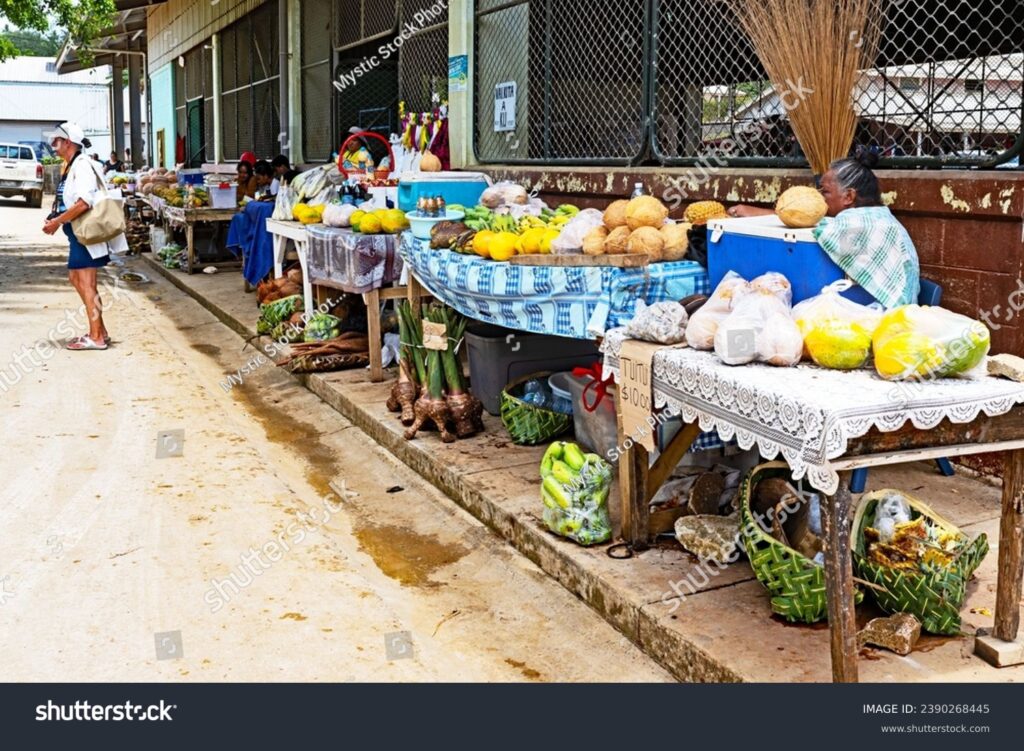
pixel 529 424
pixel 936 593
pixel 795 582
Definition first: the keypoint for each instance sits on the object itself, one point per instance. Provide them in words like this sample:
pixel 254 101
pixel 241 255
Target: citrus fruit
pixel 504 245
pixel 370 224
pixel 482 243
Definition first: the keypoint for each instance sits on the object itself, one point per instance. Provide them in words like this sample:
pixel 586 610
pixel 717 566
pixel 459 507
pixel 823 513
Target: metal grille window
pixel 193 102
pixel 423 61
pixel 580 76
pixel 672 80
pixel 370 104
pixel 358 21
pixel 317 127
pixel 250 94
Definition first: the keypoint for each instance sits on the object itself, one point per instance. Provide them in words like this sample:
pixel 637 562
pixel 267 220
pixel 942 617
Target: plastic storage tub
pixel 222 198
pixel 498 356
pixel 596 431
pixel 756 245
pixel 462 188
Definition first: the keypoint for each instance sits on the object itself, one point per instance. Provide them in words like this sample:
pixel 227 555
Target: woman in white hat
pixel 76 194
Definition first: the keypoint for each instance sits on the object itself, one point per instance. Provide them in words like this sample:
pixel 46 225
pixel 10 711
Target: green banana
pixel 573 456
pixel 561 472
pixel 457 207
pixel 554 451
pixel 567 209
pixel 551 485
pixel 549 500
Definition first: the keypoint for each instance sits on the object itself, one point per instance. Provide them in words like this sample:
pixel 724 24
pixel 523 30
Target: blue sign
pixel 458 73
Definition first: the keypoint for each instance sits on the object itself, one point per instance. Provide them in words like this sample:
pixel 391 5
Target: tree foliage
pixel 83 20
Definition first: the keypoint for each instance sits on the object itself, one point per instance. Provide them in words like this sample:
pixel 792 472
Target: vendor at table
pixel 357 157
pixel 246 182
pixel 861 234
pixel 281 166
pixel 266 183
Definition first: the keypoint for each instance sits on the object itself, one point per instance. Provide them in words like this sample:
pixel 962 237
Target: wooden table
pixel 177 216
pixel 640 481
pixel 295 232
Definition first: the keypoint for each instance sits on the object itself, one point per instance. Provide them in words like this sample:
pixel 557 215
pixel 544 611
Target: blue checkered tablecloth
pixel 580 302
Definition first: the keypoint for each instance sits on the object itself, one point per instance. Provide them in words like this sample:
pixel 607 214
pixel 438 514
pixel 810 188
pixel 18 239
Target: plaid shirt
pixel 875 251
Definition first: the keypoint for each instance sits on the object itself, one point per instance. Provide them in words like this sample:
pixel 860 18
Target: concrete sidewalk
pixel 724 630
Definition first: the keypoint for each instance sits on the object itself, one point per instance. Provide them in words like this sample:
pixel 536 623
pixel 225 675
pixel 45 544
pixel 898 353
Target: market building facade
pixel 676 98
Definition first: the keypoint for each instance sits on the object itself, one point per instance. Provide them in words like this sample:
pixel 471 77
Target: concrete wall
pixel 161 83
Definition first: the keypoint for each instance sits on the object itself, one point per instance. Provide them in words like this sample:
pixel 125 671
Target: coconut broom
pixel 821 45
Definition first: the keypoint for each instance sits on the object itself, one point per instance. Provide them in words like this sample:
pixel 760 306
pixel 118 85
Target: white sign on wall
pixel 505 107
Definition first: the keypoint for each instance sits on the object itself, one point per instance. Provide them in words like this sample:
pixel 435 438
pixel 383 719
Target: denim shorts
pixel 78 257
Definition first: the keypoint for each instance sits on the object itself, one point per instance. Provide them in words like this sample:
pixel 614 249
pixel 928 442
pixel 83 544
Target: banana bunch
pixel 504 223
pixel 574 491
pixel 531 222
pixel 478 218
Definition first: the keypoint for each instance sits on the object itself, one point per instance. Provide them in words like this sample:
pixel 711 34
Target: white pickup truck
pixel 21 174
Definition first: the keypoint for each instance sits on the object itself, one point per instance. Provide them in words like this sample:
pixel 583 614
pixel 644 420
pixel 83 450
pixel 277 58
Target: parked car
pixel 41 148
pixel 21 174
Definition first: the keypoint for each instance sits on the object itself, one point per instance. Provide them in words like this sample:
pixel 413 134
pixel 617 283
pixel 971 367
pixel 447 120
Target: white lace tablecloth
pixel 808 414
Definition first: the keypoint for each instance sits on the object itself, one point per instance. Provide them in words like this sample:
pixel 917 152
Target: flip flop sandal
pixel 84 343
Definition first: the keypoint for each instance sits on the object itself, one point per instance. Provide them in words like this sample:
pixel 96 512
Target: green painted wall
pixel 162 85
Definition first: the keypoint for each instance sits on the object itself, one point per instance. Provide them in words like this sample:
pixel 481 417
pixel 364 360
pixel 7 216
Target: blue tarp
pixel 248 233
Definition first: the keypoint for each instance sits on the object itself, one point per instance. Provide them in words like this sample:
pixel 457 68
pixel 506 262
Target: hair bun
pixel 866 157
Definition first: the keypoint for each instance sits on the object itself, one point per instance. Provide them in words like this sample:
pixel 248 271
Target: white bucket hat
pixel 66 130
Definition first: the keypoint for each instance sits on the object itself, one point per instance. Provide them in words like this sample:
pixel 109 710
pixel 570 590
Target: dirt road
pixel 159 526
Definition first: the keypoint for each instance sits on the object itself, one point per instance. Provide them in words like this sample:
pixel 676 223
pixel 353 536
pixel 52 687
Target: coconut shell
pixel 593 243
pixel 615 244
pixel 677 241
pixel 615 215
pixel 801 207
pixel 646 241
pixel 646 211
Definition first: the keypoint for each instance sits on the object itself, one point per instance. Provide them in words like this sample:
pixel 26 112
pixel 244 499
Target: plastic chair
pixel 931 294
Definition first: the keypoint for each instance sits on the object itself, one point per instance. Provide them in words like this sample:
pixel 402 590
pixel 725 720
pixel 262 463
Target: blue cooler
pixel 756 245
pixel 462 188
pixel 190 177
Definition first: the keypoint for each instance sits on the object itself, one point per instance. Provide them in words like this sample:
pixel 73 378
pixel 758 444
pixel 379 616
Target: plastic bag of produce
pixel 571 239
pixel 284 204
pixel 759 329
pixel 280 310
pixel 321 327
pixel 917 343
pixel 574 490
pixel 661 323
pixel 504 194
pixel 703 325
pixel 837 332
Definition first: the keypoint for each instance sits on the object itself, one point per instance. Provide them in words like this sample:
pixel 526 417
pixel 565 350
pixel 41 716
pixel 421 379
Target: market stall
pixel 187 219
pixel 824 423
pixel 576 301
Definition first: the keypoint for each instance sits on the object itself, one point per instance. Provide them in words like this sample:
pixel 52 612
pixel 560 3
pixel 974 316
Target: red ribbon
pixel 598 383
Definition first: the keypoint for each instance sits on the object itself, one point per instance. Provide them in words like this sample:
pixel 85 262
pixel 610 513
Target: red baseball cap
pixel 248 157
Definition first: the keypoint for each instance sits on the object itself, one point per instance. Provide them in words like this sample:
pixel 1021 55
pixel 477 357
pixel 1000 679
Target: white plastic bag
pixel 703 325
pixel 837 332
pixel 284 204
pixel 760 327
pixel 571 239
pixel 504 193
pixel 660 323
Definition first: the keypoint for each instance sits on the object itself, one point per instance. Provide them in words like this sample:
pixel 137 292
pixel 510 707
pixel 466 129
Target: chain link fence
pixel 423 58
pixel 580 75
pixel 671 81
pixel 315 65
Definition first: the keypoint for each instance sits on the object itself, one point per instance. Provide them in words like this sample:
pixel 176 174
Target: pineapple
pixel 704 211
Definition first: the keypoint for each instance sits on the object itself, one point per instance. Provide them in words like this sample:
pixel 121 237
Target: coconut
pixel 593 243
pixel 801 207
pixel 646 241
pixel 615 215
pixel 616 243
pixel 677 241
pixel 646 211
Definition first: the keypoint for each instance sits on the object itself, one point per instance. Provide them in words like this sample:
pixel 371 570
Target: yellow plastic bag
pixel 837 332
pixel 917 342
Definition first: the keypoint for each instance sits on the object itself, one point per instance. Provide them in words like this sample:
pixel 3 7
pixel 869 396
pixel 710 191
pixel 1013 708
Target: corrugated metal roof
pixel 42 70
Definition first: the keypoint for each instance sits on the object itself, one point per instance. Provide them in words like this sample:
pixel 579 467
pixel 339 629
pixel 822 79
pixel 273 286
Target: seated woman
pixel 266 183
pixel 357 157
pixel 246 182
pixel 861 234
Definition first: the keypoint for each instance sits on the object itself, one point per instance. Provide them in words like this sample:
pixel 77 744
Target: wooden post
pixel 190 252
pixel 842 618
pixel 634 463
pixel 1011 548
pixel 372 300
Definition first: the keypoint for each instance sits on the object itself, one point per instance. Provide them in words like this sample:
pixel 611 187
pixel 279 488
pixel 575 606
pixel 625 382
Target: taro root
pixel 466 410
